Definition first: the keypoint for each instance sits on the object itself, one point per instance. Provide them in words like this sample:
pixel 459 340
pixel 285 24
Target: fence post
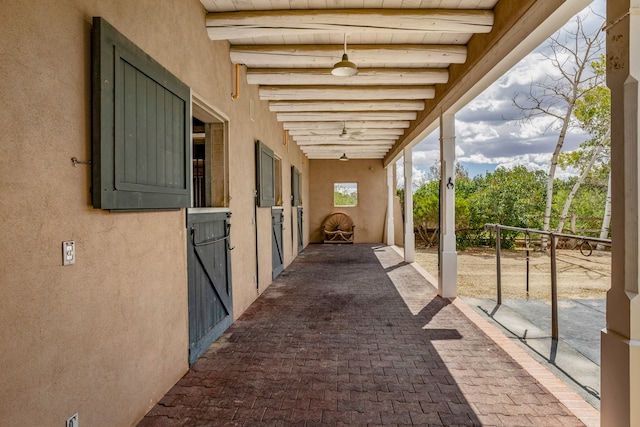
pixel 527 242
pixel 554 289
pixel 498 269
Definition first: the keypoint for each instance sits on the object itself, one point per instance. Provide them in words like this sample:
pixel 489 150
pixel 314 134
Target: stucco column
pixel 448 273
pixel 391 187
pixel 620 369
pixel 409 237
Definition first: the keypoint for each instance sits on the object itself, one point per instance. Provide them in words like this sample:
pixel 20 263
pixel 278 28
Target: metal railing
pixel 554 276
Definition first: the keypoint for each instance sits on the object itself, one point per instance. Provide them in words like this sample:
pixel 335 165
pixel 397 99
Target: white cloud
pixel 418 178
pixel 475 132
pixel 426 158
pixel 534 67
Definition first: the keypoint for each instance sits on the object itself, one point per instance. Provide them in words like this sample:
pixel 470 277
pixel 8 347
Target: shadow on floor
pixel 575 356
pixel 349 334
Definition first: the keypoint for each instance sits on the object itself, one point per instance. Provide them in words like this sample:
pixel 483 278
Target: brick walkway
pixel 351 335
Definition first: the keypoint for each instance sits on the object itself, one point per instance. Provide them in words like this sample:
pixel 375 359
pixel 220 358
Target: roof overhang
pixel 520 27
pixel 415 60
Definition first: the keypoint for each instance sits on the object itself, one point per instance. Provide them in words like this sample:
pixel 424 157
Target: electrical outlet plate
pixel 73 420
pixel 68 252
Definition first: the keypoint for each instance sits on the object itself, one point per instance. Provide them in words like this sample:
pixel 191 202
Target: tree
pixel 507 196
pixel 426 204
pixel 571 52
pixel 593 113
pixel 345 195
pixel 606 219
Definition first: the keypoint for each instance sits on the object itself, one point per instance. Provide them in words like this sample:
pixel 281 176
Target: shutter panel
pixel 141 128
pixel 295 187
pixel 265 164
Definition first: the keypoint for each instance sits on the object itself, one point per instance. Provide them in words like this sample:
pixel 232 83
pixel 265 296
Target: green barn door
pixel 296 200
pixel 209 270
pixel 300 242
pixel 277 251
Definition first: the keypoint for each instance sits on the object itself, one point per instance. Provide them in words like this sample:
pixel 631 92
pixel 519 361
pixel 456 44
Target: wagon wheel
pixel 338 227
pixel 338 221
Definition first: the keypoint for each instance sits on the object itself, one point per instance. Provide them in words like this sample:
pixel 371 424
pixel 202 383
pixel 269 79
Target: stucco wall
pixel 370 213
pixel 107 336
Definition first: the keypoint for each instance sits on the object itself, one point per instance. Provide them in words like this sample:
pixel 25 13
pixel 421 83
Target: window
pixel 278 180
pixel 200 176
pixel 265 181
pixel 296 190
pixel 345 194
pixel 210 150
pixel 140 128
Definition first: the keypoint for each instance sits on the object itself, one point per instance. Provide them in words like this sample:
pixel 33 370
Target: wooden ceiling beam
pixel 365 76
pixel 339 141
pixel 340 149
pixel 352 156
pixel 345 93
pixel 360 124
pixel 341 116
pixel 519 27
pixel 310 133
pixel 293 106
pixel 324 56
pixel 250 24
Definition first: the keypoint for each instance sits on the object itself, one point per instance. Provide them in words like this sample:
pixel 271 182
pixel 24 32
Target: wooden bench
pixel 338 228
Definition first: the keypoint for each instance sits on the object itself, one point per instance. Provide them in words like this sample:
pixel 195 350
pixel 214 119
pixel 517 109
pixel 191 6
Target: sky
pixel 489 132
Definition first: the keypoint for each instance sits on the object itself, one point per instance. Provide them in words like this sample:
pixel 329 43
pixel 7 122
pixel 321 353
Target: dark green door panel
pixel 300 231
pixel 209 270
pixel 277 251
pixel 265 178
pixel 140 127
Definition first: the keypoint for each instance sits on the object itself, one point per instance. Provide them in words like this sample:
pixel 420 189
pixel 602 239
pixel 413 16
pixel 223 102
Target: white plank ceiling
pixel 403 49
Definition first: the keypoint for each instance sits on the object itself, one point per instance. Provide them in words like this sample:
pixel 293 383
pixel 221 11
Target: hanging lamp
pixel 345 68
pixel 344 133
pixel 344 157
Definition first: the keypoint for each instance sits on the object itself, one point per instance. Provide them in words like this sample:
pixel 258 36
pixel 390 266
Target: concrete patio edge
pixel 571 400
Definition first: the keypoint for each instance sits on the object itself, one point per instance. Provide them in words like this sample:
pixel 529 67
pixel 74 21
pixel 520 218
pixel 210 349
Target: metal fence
pixel 585 249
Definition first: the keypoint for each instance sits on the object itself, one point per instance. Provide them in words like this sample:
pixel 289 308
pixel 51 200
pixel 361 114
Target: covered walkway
pixel 350 334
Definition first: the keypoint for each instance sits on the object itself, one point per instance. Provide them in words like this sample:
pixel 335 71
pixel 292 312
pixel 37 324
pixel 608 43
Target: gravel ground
pixel 578 276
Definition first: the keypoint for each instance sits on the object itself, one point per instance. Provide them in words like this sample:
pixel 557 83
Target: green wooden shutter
pixel 296 200
pixel 141 128
pixel 265 165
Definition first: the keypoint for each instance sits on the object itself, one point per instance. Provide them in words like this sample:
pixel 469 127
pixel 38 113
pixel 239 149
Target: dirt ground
pixel 578 276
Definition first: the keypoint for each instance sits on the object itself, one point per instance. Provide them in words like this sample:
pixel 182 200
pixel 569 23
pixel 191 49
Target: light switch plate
pixel 68 252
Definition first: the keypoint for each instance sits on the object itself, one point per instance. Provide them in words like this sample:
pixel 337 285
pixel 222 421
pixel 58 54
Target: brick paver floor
pixel 351 335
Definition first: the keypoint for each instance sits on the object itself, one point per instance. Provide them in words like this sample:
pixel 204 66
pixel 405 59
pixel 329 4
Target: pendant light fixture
pixel 345 68
pixel 344 134
pixel 344 157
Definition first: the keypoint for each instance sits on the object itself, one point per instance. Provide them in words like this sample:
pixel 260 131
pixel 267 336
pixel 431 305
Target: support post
pixel 391 187
pixel 498 266
pixel 620 345
pixel 409 236
pixel 448 273
pixel 554 288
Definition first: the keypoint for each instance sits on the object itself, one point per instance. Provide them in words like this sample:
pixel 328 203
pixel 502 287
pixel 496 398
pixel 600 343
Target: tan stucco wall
pixel 108 336
pixel 370 213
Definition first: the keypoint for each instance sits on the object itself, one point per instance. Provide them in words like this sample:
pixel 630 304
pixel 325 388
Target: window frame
pixel 296 184
pixel 334 194
pixel 265 175
pixel 212 116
